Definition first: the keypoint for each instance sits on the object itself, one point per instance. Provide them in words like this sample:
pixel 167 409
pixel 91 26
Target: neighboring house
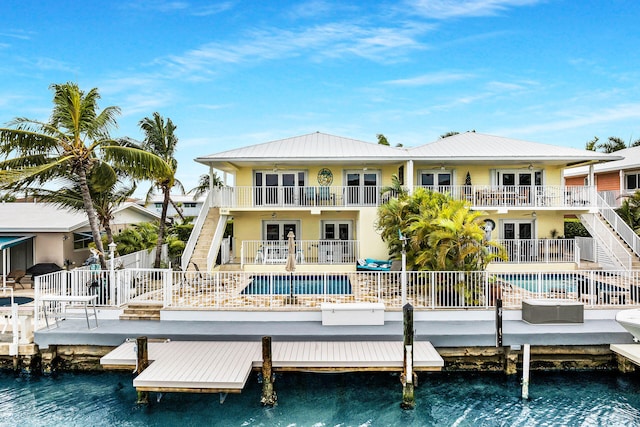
pixel 326 189
pixel 52 235
pixel 187 205
pixel 45 233
pixel 131 213
pixel 616 179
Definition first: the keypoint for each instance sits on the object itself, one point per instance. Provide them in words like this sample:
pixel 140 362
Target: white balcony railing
pixel 521 251
pixel 307 251
pixel 482 196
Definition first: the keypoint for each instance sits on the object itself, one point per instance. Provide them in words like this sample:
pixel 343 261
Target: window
pixel 435 180
pixel 82 240
pixel 189 205
pixel 632 181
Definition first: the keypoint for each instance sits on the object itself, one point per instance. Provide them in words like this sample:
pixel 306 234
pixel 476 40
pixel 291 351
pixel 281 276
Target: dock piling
pixel 526 357
pixel 499 322
pixel 142 353
pixel 408 397
pixel 269 397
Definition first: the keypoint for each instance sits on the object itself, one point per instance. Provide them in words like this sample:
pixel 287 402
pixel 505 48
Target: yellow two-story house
pixel 326 190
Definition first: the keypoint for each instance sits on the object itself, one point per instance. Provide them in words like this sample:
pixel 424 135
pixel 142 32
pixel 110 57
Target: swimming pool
pixel 547 282
pixel 6 301
pixel 298 285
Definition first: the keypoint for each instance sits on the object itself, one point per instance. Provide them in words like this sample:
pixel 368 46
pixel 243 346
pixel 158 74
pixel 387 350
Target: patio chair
pixel 15 278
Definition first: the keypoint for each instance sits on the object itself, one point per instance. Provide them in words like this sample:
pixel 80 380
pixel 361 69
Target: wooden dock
pixel 629 351
pixel 225 366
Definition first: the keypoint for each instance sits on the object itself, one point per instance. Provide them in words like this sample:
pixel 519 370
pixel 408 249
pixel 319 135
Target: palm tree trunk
pixel 91 214
pixel 177 208
pixel 161 228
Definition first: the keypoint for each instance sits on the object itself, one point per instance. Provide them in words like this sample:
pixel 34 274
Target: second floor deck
pixel 479 196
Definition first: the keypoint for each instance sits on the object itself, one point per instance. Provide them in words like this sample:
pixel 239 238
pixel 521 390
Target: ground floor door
pixel 522 248
pixel 337 242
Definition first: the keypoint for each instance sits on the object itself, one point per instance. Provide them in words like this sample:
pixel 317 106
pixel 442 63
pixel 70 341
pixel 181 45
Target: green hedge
pixel 574 228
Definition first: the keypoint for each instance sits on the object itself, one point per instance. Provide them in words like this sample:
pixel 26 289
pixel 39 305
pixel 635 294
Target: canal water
pixel 443 399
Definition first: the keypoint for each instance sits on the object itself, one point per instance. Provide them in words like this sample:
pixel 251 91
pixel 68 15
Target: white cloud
pixel 334 40
pixel 576 120
pixel 445 9
pixel 432 79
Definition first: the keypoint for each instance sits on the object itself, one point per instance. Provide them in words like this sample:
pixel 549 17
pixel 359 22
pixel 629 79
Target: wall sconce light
pixel 534 214
pixel 64 237
pixel 273 215
pixel 441 166
pixel 530 167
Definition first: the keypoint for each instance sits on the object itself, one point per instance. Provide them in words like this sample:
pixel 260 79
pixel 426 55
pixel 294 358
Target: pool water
pixel 442 399
pixel 298 284
pixel 6 301
pixel 548 282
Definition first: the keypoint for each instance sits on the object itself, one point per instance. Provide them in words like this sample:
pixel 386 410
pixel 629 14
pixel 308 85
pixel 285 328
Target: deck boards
pixel 209 366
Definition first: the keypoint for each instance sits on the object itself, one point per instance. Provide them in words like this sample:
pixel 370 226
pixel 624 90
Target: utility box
pixel 540 312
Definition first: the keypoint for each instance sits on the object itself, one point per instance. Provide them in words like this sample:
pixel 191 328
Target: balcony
pixel 307 252
pixel 479 196
pixel 546 251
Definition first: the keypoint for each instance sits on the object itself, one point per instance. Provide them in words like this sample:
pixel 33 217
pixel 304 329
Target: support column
pixel 142 363
pixel 269 397
pixel 408 397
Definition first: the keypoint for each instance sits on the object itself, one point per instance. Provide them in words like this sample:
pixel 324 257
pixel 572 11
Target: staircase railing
pixel 195 233
pixel 625 232
pixel 609 239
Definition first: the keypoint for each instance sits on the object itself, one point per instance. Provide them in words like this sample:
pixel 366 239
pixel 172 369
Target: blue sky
pixel 235 73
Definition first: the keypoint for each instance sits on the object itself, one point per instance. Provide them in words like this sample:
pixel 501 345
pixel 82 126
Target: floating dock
pixel 225 366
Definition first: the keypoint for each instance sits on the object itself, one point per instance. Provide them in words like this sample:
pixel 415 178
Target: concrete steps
pixel 205 238
pixel 141 311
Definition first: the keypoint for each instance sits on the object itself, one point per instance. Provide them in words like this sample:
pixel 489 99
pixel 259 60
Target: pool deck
pixel 461 333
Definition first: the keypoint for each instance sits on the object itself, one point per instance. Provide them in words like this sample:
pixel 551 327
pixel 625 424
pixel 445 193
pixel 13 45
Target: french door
pixel 362 188
pixel 278 188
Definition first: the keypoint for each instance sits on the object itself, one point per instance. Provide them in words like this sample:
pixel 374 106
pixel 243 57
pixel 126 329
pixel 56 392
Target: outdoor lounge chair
pixel 15 278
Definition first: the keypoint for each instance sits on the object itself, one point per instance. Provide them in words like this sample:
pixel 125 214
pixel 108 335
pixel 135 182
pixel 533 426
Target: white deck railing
pixel 521 251
pixel 535 196
pixel 307 251
pixel 306 291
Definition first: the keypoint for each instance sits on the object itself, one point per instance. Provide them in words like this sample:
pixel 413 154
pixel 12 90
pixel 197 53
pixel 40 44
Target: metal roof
pixel 468 147
pixel 473 146
pixel 631 160
pixel 39 217
pixel 308 148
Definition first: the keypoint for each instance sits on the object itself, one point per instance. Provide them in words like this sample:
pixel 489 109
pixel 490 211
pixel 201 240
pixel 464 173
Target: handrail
pixel 616 249
pixel 195 233
pixel 622 228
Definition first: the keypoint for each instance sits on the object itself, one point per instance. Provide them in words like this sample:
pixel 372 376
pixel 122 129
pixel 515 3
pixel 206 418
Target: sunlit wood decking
pixel 224 366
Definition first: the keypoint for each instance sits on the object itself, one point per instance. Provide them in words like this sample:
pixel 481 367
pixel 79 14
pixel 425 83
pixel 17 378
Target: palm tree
pixel 104 202
pixel 74 144
pixel 612 145
pixel 161 139
pixel 204 186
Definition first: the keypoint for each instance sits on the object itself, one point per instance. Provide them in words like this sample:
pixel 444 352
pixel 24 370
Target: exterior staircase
pixel 141 311
pixel 635 260
pixel 610 241
pixel 203 244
